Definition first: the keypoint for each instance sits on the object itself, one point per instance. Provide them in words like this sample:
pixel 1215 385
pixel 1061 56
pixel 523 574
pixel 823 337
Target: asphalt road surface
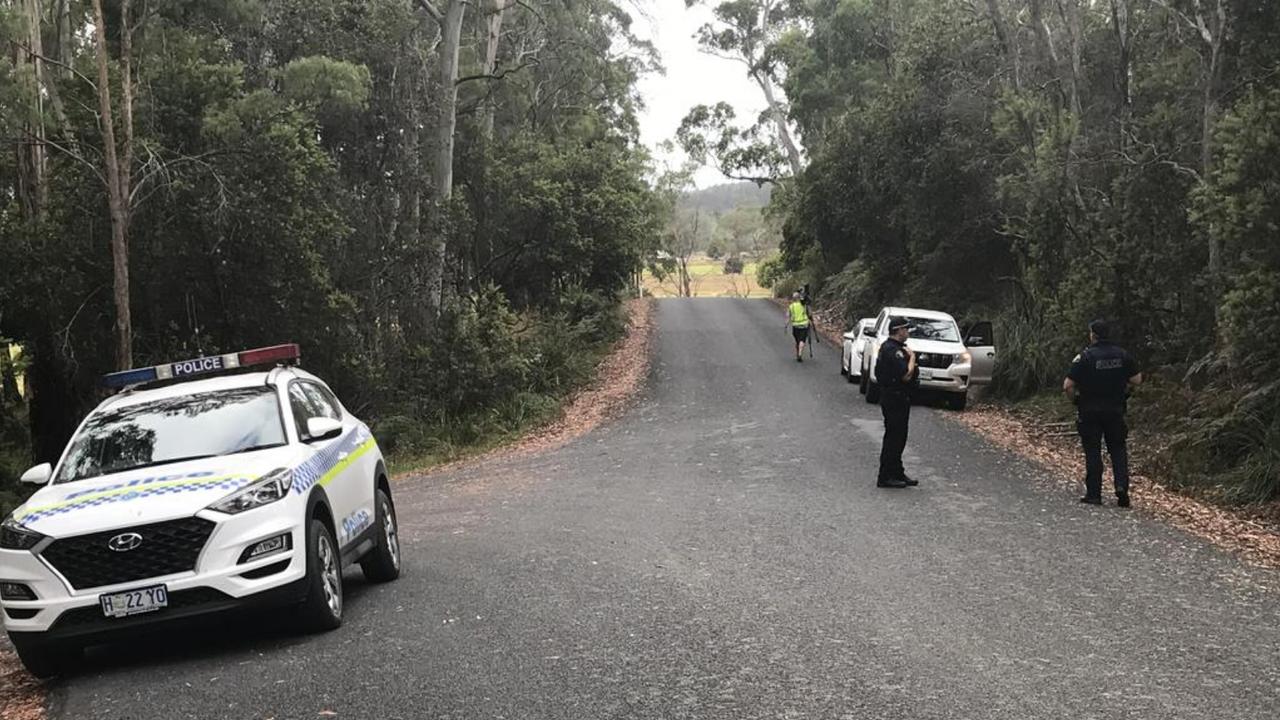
pixel 721 552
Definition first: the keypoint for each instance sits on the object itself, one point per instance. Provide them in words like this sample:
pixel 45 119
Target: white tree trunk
pixel 442 169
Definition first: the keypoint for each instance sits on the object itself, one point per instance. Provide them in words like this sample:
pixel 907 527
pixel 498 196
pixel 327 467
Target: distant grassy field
pixel 707 279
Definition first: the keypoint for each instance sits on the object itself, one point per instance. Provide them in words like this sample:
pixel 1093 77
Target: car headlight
pixel 964 358
pixel 266 489
pixel 16 537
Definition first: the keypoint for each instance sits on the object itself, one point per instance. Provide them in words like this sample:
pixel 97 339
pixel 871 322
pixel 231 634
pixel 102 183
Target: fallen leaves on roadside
pixel 21 695
pixel 1252 533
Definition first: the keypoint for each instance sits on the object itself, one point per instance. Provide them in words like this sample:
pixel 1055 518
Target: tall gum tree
pixel 744 31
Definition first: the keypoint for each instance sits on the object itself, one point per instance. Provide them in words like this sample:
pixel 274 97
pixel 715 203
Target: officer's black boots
pixel 1091 500
pixel 909 482
pixel 891 483
pixel 1122 499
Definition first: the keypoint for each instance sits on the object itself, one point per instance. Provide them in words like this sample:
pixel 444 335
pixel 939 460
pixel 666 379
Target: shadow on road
pixel 219 637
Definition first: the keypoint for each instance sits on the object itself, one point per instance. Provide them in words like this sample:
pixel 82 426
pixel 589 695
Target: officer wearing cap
pixel 1098 383
pixel 896 376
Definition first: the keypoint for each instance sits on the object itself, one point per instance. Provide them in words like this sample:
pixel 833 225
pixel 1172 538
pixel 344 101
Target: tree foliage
pixel 282 191
pixel 1046 162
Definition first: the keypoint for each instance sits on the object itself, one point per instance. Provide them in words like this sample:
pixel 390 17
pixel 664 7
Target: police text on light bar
pixel 202 365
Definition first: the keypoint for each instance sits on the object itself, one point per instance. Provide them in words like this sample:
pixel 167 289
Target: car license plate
pixel 133 602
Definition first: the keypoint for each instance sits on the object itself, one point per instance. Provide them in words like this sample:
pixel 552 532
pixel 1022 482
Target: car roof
pixel 212 384
pixel 919 313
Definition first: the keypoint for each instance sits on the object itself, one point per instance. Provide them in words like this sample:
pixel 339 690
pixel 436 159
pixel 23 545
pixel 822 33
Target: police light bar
pixel 202 365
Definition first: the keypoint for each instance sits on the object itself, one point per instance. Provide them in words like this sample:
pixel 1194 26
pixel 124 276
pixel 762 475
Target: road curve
pixel 721 552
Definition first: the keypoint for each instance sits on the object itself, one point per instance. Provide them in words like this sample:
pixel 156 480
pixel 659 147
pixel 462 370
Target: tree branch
pixel 497 75
pixel 431 10
pixel 51 61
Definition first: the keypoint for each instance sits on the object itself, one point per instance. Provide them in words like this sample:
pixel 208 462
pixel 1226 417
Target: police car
pixel 205 486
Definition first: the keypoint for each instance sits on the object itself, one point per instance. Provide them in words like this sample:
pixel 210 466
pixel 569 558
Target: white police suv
pixel 186 495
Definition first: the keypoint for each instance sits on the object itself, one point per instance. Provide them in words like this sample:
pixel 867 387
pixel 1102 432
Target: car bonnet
pixel 147 495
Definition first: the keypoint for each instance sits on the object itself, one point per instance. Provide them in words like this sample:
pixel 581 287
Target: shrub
pixel 733 266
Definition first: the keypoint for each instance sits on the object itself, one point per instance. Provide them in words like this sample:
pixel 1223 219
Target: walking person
pixel 896 375
pixel 799 321
pixel 1098 383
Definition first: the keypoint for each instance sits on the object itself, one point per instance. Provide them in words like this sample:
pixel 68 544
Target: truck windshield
pixel 934 329
pixel 175 429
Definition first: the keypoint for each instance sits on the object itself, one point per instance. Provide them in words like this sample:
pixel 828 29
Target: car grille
pixel 167 548
pixel 934 360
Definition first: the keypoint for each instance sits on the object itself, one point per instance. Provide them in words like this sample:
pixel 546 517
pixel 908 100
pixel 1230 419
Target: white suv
pixel 947 364
pixel 854 348
pixel 179 499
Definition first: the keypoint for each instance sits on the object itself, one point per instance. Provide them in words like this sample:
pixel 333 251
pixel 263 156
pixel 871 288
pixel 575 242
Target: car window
pixel 933 329
pixel 303 408
pixel 980 335
pixel 173 430
pixel 322 400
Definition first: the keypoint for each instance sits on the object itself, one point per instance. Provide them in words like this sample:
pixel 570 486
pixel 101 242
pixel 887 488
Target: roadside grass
pixel 708 279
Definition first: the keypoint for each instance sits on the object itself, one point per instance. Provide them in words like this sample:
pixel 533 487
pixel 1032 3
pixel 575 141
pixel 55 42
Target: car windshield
pixel 175 429
pixel 934 329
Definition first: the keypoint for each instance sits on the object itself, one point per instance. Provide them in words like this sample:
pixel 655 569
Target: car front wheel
pixel 958 401
pixel 322 609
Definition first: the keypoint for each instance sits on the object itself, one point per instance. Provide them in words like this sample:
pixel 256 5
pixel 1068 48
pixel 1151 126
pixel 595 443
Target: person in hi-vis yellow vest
pixel 799 321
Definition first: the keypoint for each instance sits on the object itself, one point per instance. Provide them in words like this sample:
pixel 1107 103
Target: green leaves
pixel 322 82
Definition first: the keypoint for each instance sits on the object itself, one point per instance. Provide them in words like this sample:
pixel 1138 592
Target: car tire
pixel 863 381
pixel 852 378
pixel 46 659
pixel 873 393
pixel 382 564
pixel 322 608
pixel 958 401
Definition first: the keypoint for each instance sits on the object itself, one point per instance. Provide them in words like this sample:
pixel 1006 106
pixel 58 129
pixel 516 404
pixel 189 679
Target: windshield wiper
pixel 252 448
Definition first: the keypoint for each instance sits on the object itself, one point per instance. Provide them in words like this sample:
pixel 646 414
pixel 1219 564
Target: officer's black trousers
pixel 1095 426
pixel 896 406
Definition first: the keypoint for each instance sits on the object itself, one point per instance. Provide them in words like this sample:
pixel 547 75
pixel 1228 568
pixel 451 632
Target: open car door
pixel 980 340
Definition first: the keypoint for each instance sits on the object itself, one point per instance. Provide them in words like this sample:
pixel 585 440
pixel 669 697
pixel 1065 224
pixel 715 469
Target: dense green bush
pixel 489 372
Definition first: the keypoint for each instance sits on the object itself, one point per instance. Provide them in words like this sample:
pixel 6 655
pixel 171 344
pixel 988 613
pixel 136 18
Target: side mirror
pixel 869 332
pixel 323 428
pixel 38 475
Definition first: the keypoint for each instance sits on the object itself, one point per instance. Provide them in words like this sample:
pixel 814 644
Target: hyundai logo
pixel 124 542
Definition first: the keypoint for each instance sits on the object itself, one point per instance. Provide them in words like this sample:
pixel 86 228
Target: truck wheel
pixel 958 401
pixel 46 659
pixel 322 609
pixel 863 381
pixel 382 564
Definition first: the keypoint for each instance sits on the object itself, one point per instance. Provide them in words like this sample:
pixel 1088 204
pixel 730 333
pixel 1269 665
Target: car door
pixel 872 347
pixel 980 340
pixel 350 478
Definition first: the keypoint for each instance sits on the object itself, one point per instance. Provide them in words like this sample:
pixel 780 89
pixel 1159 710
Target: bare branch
pixel 496 75
pixel 431 10
pixel 44 58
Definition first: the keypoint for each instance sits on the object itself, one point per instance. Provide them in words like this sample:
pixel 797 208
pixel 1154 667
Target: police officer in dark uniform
pixel 896 376
pixel 1098 383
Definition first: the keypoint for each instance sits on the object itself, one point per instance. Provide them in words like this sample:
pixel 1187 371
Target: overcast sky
pixel 692 77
